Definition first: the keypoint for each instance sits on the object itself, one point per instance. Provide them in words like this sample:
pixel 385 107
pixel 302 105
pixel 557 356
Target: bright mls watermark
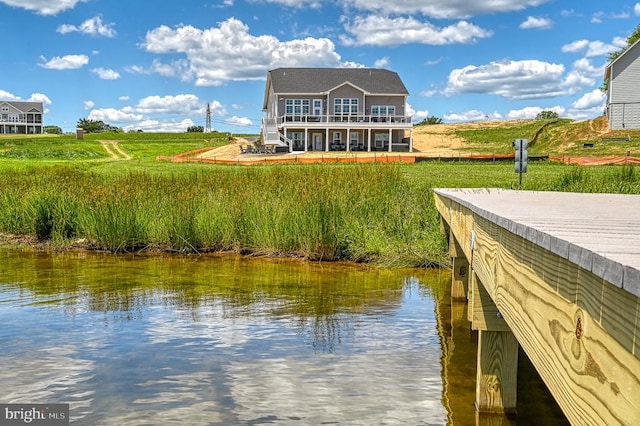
pixel 34 414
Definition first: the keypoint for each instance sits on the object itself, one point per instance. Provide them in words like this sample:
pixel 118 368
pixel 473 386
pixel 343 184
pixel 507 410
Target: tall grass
pixel 354 212
pixel 380 213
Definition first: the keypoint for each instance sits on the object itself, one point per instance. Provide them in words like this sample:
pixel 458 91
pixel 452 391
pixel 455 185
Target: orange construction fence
pixel 595 161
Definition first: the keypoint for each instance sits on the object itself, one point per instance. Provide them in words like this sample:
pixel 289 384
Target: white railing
pixel 363 119
pixel 12 120
pixel 271 134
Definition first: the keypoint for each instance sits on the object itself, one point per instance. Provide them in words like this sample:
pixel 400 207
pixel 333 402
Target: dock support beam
pixel 460 268
pixel 497 371
pixel 497 365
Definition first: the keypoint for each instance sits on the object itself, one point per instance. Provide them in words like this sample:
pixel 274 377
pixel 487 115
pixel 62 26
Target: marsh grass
pixel 381 213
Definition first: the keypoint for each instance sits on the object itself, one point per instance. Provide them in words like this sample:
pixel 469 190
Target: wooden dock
pixel 559 275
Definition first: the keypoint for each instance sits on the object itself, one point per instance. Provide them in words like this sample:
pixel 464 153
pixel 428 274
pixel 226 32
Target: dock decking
pixel 558 274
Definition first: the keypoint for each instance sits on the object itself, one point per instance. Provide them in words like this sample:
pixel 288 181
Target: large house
pixel 21 117
pixel 623 92
pixel 336 109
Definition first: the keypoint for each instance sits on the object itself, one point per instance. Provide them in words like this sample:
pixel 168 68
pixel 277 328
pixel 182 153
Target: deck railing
pixel 14 120
pixel 369 120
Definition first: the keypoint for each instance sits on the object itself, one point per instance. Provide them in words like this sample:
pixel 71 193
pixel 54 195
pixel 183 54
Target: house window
pixel 383 110
pixel 297 106
pixel 337 138
pixel 317 107
pixel 345 106
pixel 381 140
pixel 298 140
pixel 354 139
pixel 5 109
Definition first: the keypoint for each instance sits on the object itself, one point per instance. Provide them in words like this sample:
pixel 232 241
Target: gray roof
pixel 24 106
pixel 321 80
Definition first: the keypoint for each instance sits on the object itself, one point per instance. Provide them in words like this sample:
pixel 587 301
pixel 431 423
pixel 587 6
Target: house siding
pixel 21 117
pixel 369 87
pixel 623 106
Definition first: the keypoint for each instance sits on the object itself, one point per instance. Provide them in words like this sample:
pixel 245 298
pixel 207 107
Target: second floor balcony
pixel 309 120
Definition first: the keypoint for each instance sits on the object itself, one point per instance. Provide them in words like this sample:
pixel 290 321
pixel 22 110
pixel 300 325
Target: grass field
pixel 551 137
pixel 65 192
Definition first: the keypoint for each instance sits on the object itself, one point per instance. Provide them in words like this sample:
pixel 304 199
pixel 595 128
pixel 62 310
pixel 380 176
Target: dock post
pixel 497 363
pixel 460 268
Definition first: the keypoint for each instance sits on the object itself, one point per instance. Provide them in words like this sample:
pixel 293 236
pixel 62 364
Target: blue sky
pixel 154 65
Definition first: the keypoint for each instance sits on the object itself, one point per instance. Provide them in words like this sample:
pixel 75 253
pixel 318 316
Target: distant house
pixel 623 93
pixel 336 109
pixel 18 117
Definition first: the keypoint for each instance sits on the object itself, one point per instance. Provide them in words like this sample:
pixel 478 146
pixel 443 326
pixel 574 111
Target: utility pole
pixel 207 126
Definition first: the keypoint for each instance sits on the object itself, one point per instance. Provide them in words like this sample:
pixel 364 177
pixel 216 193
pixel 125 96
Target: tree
pixel 92 126
pixel 54 130
pixel 195 129
pixel 635 36
pixel 547 115
pixel 430 121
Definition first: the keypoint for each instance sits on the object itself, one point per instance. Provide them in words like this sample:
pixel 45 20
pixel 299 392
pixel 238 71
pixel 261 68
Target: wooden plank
pixel 598 232
pixel 484 312
pixel 486 235
pixel 571 303
pixel 496 380
pixel 594 378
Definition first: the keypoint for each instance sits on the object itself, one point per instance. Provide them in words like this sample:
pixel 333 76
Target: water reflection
pixel 220 340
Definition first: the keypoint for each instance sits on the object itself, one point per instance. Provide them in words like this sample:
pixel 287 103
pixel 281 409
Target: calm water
pixel 133 340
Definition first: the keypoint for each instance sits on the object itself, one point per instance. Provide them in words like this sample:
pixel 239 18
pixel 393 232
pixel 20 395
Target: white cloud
pixel 89 105
pixel 636 9
pixel 147 113
pixel 539 23
pixel 67 62
pixel 382 62
pixel 594 48
pixel 429 93
pixel 568 12
pixel 528 79
pixel 443 9
pixel 589 105
pixel 106 74
pixel 472 115
pixel 383 31
pixel 229 52
pixel 575 46
pixel 8 96
pixel 418 115
pixel 314 4
pixel 93 26
pixel 597 18
pixel 39 97
pixel 44 7
pixel 114 116
pixel 169 126
pixel 239 121
pixel 529 113
pixel 123 98
pixel 590 100
pixel 35 97
pixel 179 104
